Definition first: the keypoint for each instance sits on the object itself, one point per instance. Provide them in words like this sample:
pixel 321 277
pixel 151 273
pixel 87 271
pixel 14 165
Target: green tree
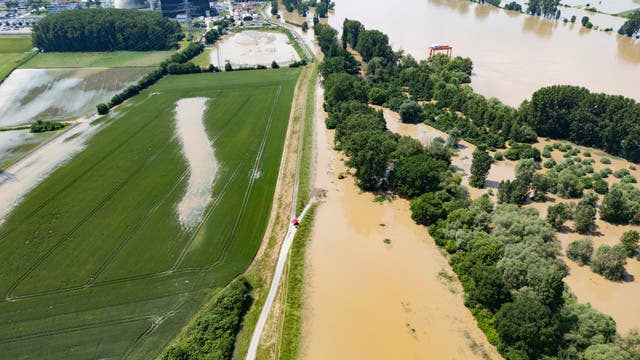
pixel 410 112
pixel 429 208
pixel 584 218
pixel 528 325
pixel 417 174
pixel 631 26
pixel 606 352
pixel 512 192
pixel 569 185
pixel 580 251
pixel 630 241
pixel 373 43
pixel 558 214
pixel 480 167
pixel 585 327
pixel 615 207
pixel 102 109
pixel 609 261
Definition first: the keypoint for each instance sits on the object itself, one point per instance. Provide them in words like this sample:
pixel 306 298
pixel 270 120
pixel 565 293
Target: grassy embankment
pixel 627 14
pixel 14 50
pixel 306 158
pixel 261 272
pixel 95 261
pixel 97 59
pixel 293 288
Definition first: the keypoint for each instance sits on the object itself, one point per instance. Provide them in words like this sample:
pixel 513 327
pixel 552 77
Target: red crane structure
pixel 437 47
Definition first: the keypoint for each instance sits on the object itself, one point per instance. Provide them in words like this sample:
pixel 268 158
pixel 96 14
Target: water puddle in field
pixel 365 299
pixel 199 154
pixel 21 177
pixel 59 94
pixel 250 48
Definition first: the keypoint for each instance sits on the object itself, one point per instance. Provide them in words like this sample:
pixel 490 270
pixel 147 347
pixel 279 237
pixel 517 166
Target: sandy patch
pixel 20 178
pixel 365 299
pixel 250 48
pixel 197 150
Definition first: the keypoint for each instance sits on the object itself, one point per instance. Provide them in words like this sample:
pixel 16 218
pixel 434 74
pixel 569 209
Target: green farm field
pixel 13 49
pixel 97 59
pixel 95 263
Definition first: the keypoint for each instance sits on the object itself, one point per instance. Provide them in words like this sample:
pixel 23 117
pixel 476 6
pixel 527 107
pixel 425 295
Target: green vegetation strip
pixel 96 262
pixel 213 333
pixel 97 59
pixel 305 166
pixel 291 330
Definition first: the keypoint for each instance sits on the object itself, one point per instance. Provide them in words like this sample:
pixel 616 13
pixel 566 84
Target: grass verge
pixel 14 51
pixel 97 59
pixel 292 317
pixel 305 167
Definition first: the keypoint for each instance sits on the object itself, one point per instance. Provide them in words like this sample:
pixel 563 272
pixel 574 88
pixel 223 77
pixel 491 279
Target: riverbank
pixel 376 285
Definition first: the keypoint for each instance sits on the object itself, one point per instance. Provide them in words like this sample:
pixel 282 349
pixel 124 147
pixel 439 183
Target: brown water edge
pixel 365 299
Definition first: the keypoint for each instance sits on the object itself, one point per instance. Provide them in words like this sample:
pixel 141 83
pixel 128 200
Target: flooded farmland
pixel 513 54
pixel 198 152
pixel 250 48
pixel 28 95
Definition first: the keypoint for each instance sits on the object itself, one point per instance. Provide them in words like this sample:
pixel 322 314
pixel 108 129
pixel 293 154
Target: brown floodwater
pixel 617 299
pixel 367 299
pixel 513 54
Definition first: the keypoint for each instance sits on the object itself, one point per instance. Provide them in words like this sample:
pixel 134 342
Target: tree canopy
pixel 106 30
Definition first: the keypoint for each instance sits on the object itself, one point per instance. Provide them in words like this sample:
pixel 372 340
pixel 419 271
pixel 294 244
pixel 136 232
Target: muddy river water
pixel 376 285
pixel 513 54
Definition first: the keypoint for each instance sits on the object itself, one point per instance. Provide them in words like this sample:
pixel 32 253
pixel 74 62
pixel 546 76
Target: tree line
pixel 303 6
pixel 506 257
pixel 213 334
pixel 106 30
pixel 177 63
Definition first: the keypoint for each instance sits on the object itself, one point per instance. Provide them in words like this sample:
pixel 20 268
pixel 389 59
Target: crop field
pixel 12 50
pixel 95 261
pixel 97 59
